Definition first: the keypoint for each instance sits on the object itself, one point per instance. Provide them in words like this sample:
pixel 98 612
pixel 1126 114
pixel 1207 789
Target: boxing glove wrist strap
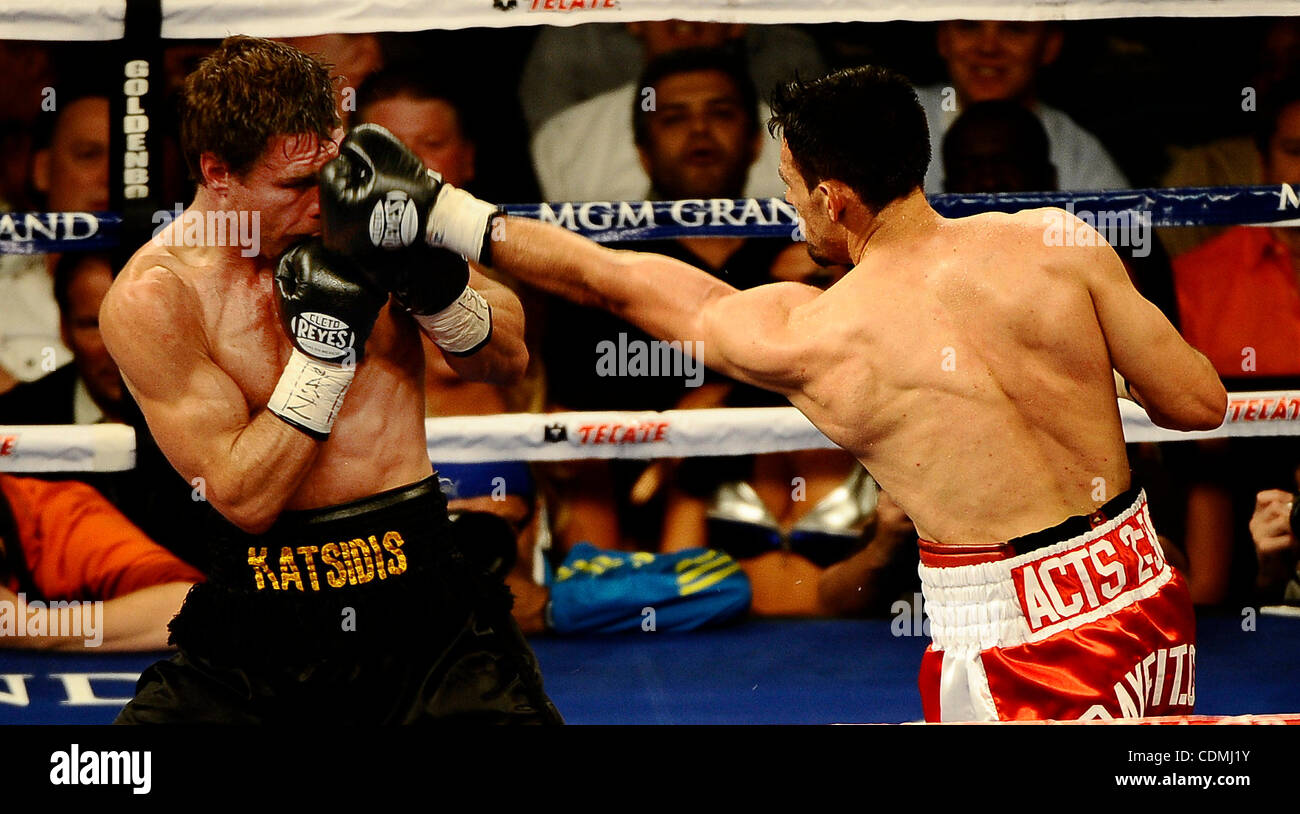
pixel 310 393
pixel 460 222
pixel 461 328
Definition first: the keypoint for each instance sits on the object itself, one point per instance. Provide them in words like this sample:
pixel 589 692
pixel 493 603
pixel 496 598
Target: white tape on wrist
pixel 461 326
pixel 310 393
pixel 459 222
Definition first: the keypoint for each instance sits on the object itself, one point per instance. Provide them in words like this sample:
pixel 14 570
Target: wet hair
pixel 247 92
pixel 725 60
pixel 861 126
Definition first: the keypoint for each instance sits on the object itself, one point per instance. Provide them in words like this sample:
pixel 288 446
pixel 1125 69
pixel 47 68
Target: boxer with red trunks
pixel 971 364
pixel 1082 620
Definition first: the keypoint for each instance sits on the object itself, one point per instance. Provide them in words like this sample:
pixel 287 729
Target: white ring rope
pixel 214 19
pixel 581 436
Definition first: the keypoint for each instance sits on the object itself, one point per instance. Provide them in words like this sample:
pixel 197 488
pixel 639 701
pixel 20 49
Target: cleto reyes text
pixel 322 329
pixel 1080 580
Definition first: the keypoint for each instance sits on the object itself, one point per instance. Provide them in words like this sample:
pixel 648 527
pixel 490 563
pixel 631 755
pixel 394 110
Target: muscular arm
pixel 251 465
pixel 756 336
pixel 1171 380
pixel 504 359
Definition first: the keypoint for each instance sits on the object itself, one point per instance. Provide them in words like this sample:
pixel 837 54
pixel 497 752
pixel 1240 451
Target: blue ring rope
pixel 616 221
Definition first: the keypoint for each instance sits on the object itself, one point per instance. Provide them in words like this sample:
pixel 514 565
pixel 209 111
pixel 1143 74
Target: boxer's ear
pixel 837 198
pixel 215 172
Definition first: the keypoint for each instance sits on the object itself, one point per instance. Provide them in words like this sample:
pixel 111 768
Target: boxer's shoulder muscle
pixel 1033 237
pixel 1015 263
pixel 222 311
pixel 154 278
pixel 147 299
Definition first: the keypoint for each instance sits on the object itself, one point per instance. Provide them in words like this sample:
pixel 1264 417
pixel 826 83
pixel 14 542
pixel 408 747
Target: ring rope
pixel 585 435
pixel 611 221
pixel 213 19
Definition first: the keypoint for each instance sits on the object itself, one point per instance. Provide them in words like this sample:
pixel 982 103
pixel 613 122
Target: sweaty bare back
pixel 969 373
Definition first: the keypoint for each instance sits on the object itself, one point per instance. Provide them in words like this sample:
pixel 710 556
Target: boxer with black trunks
pixel 290 394
pixel 971 364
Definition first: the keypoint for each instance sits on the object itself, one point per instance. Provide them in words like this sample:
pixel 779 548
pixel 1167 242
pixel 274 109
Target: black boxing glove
pixel 377 202
pixel 462 325
pixel 328 308
pixel 377 195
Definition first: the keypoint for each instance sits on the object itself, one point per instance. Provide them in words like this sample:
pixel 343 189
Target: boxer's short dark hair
pixel 726 60
pixel 247 92
pixel 862 126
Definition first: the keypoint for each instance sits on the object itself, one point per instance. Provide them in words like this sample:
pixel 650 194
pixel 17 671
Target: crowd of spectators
pixel 675 110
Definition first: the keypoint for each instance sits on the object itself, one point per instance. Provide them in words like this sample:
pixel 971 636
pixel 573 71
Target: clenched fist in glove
pixel 328 308
pixel 378 195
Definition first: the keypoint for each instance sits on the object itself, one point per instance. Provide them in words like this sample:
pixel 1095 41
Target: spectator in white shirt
pixel 587 151
pixel 1000 60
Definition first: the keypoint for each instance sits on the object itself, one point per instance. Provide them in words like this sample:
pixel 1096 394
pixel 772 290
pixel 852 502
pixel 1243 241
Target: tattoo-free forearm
pixel 263 468
pixel 553 259
pixel 658 294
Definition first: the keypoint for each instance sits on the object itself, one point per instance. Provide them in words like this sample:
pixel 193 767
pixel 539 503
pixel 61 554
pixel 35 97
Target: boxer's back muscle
pixel 977 362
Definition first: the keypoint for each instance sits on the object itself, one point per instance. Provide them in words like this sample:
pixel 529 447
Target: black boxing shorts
pixel 365 612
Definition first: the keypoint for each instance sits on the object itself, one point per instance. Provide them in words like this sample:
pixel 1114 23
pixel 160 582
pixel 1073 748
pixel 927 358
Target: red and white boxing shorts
pixel 1082 620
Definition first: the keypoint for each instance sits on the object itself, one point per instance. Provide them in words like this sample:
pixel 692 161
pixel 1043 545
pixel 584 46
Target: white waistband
pixel 975 607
